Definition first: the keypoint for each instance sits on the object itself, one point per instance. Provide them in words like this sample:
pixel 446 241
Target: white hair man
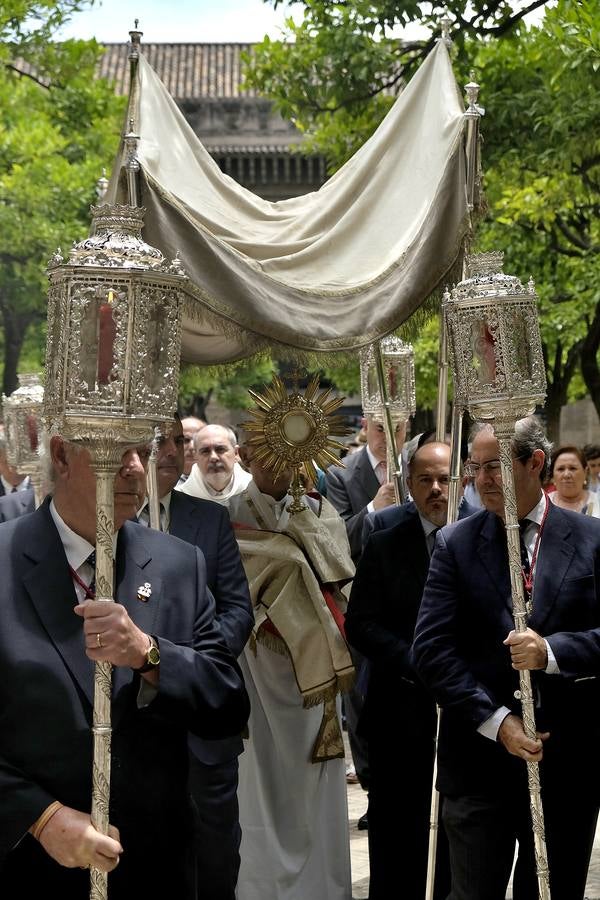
pixel 216 474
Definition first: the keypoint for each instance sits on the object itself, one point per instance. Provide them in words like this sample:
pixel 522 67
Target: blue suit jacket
pixel 18 504
pixel 350 490
pixel 206 525
pixel 465 615
pixel 380 622
pixel 46 686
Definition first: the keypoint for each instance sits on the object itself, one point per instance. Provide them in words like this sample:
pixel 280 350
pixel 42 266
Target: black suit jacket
pixel 18 504
pixel 380 622
pixel 465 616
pixel 46 686
pixel 206 525
pixel 392 515
pixel 350 490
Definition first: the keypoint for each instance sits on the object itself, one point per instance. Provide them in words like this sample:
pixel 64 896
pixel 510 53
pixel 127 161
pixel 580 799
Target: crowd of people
pixel 244 635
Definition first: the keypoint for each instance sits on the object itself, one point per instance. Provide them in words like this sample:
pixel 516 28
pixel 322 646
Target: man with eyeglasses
pixel 399 717
pixel 467 653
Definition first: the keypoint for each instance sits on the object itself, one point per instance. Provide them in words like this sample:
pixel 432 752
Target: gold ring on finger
pixel 99 640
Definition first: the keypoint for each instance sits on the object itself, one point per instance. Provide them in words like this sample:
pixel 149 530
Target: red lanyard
pixel 89 593
pixel 528 578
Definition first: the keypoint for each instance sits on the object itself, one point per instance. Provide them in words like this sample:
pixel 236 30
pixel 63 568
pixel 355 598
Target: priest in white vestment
pixel 217 474
pixel 292 787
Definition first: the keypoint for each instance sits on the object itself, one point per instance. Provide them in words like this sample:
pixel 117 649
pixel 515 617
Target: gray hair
pixel 529 436
pixel 231 435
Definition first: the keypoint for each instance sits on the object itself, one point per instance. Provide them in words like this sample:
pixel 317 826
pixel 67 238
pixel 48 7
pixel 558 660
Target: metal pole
pixel 453 500
pixel 153 498
pixel 504 431
pixel 440 416
pixel 102 727
pixel 394 459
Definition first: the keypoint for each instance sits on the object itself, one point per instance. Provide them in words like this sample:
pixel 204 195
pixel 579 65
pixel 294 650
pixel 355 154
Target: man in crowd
pixel 592 458
pixel 467 653
pixel 292 788
pixel 355 491
pixel 11 481
pixel 362 486
pixel 18 503
pixel 216 474
pixel 213 764
pixel 191 425
pixel 173 675
pixel 399 716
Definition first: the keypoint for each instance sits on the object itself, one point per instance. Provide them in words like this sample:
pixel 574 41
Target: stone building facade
pixel 242 131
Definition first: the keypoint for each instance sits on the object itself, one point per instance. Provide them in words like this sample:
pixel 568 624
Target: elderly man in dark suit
pixel 213 764
pixel 399 717
pixel 468 655
pixel 173 674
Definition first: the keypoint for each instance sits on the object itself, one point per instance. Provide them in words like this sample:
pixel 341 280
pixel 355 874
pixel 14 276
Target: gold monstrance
pixel 289 431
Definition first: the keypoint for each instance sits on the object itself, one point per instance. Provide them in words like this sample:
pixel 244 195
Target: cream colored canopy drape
pixel 328 271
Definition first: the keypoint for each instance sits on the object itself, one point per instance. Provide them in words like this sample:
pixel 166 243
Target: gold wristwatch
pixel 152 656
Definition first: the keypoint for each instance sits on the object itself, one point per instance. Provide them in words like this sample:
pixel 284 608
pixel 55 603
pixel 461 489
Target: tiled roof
pixel 187 70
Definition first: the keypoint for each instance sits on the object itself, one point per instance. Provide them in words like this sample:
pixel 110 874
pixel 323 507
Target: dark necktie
pixel 523 523
pixel 431 540
pixel 91 561
pixel 14 490
pixel 145 513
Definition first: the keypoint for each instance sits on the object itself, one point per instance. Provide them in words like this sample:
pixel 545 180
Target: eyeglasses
pixel 492 467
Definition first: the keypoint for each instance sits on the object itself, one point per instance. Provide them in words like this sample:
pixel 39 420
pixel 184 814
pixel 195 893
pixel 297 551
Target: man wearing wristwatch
pixel 173 674
pixel 213 764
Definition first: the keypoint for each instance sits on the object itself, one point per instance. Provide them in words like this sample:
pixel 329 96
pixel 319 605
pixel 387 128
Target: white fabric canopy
pixel 330 270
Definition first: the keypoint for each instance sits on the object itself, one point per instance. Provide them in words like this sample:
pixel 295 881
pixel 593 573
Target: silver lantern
pixel 387 382
pixel 498 365
pixel 499 376
pixel 24 431
pixel 112 370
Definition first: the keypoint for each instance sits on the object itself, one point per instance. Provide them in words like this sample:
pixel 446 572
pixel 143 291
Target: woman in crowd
pixel 569 474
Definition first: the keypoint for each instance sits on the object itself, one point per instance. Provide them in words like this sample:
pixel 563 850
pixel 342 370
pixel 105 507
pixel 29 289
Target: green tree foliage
pixel 541 143
pixel 227 384
pixel 542 157
pixel 59 126
pixel 337 72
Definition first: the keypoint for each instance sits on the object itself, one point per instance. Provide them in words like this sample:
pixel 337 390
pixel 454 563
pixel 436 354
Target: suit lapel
pixel 134 570
pixel 182 518
pixel 493 553
pixel 368 478
pixel 50 587
pixel 555 555
pixel 415 546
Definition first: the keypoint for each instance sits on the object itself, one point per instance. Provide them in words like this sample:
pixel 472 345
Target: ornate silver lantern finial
pixel 445 23
pixel 102 186
pixel 495 340
pixel 23 422
pixel 399 368
pixel 135 39
pixel 387 380
pixel 114 324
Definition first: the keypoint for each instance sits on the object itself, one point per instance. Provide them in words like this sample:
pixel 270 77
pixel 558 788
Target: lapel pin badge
pixel 144 591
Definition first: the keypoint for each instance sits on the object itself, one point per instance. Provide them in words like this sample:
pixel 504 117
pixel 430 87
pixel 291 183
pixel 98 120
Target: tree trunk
pixel 15 327
pixel 559 376
pixel 589 359
pixel 198 406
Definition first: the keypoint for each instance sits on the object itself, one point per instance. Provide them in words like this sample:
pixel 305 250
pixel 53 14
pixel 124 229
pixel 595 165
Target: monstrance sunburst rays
pixel 291 430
